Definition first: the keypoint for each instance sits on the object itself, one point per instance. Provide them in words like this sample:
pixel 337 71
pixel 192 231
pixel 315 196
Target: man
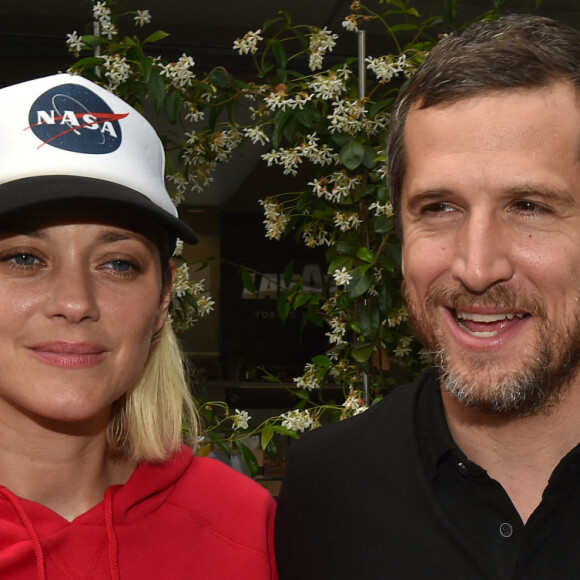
pixel 473 471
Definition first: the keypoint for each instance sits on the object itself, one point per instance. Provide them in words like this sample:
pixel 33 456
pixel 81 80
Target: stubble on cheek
pixel 529 385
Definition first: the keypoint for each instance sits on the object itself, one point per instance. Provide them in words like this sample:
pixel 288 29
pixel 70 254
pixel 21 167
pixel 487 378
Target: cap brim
pixel 50 189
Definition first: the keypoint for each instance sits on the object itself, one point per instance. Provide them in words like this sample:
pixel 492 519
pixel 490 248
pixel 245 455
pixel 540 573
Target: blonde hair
pixel 152 420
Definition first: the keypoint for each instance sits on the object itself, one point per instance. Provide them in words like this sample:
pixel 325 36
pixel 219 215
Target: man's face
pixel 491 250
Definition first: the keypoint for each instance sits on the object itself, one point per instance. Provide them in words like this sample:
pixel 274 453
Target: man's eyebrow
pixel 549 194
pixel 425 196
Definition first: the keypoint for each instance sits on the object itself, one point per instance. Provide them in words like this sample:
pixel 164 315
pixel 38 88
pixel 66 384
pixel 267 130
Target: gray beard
pixel 527 392
pixel 533 388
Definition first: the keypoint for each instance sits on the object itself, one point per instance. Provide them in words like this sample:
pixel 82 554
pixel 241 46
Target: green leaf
pixel 269 23
pixel 352 154
pixel 280 54
pixel 343 301
pixel 248 458
pixel 147 68
pixel 157 35
pixel 345 248
pixel 403 26
pixel 288 273
pixel 220 79
pixel 359 283
pixel 267 434
pixel 370 321
pixel 385 294
pixel 282 307
pixel 322 360
pixel 362 353
pixel 450 11
pixel 88 62
pixel 156 90
pixel 91 40
pixel 365 255
pixel 301 299
pixel 172 106
pixel 280 119
pixel 308 116
pixel 272 449
pixel 284 431
pixel 248 280
pixel 383 224
pixel 219 443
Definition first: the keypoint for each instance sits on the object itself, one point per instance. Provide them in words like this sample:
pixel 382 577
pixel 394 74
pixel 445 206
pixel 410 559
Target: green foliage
pixel 315 121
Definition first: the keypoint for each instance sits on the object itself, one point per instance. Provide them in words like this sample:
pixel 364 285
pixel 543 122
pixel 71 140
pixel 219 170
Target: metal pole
pixel 97 49
pixel 362 72
pixel 362 91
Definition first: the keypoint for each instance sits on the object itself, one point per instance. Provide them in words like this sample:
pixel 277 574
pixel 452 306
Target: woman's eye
pixel 24 260
pixel 122 266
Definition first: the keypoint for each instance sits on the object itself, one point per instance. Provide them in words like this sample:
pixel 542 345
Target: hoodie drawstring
pixel 40 564
pixel 111 536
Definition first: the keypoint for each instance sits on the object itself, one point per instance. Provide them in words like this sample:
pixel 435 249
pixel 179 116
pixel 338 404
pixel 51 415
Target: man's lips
pixel 69 354
pixel 487 324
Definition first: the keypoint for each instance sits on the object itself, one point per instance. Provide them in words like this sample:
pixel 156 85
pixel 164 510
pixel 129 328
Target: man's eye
pixel 439 207
pixel 526 206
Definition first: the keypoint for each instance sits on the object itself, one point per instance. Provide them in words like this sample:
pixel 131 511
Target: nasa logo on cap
pixel 73 118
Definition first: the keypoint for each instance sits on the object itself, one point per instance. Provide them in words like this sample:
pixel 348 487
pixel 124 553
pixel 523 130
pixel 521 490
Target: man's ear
pixel 165 298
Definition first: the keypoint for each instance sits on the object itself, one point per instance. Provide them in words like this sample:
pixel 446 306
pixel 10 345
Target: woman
pixel 96 482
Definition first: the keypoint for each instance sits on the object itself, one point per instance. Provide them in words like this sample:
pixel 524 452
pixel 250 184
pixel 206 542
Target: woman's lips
pixel 69 354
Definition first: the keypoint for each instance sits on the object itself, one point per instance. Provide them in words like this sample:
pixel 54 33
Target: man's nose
pixel 482 256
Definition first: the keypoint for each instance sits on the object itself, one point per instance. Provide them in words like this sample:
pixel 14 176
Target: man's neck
pixel 522 452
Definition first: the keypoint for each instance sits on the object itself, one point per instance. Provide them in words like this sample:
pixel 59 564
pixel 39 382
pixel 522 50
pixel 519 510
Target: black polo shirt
pixel 388 494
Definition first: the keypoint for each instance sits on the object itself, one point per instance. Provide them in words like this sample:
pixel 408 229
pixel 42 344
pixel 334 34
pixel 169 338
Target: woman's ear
pixel 165 298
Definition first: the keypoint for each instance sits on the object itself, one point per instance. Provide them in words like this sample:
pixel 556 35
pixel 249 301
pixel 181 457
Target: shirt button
pixel 506 530
pixel 462 468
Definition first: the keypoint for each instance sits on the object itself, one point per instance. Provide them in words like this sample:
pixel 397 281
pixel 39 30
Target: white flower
pixel 256 135
pixel 330 85
pixel 346 221
pixel 241 419
pixel 297 420
pixel 397 316
pixel 342 277
pixel 75 43
pixel 404 347
pixel 108 29
pixel 178 72
pixel 338 327
pixel 248 43
pixel 142 17
pixel 205 305
pixel 386 67
pixel 347 116
pixel 117 70
pixel 193 115
pixel 355 403
pixel 100 9
pixel 309 380
pixel 350 23
pixel 178 247
pixel 321 42
pixel 380 209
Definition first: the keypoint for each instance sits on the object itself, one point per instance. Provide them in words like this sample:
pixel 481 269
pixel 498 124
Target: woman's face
pixel 80 300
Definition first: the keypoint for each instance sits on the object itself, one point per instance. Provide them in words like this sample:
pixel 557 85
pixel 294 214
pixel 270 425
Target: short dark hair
pixel 517 51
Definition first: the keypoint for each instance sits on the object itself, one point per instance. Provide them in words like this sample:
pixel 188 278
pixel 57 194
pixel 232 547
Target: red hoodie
pixel 189 517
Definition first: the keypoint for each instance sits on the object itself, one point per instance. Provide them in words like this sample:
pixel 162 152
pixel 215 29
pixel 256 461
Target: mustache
pixel 500 298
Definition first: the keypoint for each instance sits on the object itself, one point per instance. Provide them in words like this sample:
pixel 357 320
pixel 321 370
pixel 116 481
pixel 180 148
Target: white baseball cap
pixel 65 138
